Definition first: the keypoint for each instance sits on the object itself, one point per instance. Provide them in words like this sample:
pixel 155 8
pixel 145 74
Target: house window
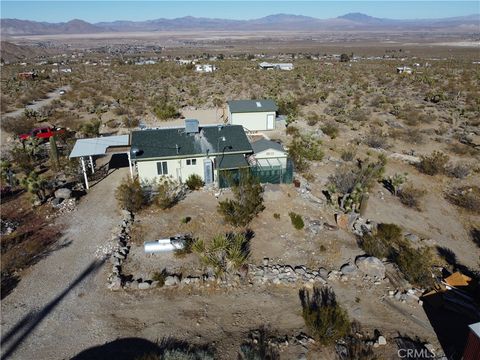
pixel 162 168
pixel 191 161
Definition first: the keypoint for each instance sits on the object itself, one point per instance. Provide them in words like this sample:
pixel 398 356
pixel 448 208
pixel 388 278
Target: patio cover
pixel 98 146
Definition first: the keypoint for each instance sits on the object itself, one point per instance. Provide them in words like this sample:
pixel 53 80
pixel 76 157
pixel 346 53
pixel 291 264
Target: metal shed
pixel 119 144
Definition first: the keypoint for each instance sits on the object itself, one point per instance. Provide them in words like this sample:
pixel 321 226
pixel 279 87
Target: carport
pixel 87 148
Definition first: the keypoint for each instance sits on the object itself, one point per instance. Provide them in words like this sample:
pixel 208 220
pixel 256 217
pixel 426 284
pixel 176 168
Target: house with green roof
pixel 253 115
pixel 179 152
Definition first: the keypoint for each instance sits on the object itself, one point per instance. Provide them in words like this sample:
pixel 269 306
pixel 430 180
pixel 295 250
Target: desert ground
pixel 56 262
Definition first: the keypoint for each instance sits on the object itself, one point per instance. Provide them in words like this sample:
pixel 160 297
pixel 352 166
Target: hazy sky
pixel 95 11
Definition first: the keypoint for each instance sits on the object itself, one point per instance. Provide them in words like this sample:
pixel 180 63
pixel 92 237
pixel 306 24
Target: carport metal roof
pixel 98 146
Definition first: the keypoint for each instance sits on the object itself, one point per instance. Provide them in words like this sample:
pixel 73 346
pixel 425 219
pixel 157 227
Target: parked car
pixel 45 132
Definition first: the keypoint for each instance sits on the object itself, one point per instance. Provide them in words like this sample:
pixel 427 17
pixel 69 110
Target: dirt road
pixel 58 299
pixel 37 105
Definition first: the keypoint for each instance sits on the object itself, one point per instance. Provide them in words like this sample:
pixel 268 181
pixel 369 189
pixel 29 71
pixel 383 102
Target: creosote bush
pixel 194 182
pixel 168 193
pixel 304 148
pixel 380 242
pixel 296 220
pixel 325 319
pixel 247 200
pixel 130 195
pixel 433 164
pixel 330 129
pixel 415 264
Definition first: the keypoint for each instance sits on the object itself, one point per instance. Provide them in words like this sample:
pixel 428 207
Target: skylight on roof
pixel 259 104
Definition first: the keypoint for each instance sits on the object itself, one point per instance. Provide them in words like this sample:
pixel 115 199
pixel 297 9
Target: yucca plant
pixel 224 254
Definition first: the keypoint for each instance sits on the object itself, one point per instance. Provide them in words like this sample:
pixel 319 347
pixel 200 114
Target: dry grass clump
pixel 411 196
pixel 467 197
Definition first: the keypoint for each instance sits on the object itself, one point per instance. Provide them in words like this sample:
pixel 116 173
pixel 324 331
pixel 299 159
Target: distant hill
pixel 286 22
pixel 27 27
pixel 10 52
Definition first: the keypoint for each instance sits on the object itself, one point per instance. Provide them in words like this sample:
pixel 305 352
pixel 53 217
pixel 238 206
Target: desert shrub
pixel 358 115
pixel 325 319
pixel 375 139
pixel 276 216
pixel 18 126
pixel 160 276
pixel 258 347
pixel 330 129
pixel 467 197
pixel 292 130
pixel 164 110
pixel 313 118
pixel 296 220
pixel 354 348
pixel 304 148
pixel 194 182
pixel 224 254
pixel 247 200
pixel 459 170
pixel 382 241
pixel 348 153
pixel 415 264
pixel 131 122
pixel 412 136
pixel 348 177
pixel 433 164
pixel 130 195
pixel 91 128
pixel 168 193
pixel 411 196
pixel 36 186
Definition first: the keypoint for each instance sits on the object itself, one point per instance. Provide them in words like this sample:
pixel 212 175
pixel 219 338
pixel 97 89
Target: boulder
pixel 115 283
pixel 381 340
pixel 371 266
pixel 56 202
pixel 348 269
pixel 143 285
pixel 172 280
pixel 63 193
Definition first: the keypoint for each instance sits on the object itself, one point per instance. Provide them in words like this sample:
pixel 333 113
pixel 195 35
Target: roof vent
pixel 259 104
pixel 191 126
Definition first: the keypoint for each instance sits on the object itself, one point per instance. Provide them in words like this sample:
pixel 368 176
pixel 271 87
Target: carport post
pixel 130 164
pixel 84 173
pixel 91 164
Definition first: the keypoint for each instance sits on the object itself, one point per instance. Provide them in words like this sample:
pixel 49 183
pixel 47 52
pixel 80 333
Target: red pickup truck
pixel 45 132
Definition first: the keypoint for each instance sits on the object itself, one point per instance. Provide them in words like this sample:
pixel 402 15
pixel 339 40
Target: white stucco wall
pixel 273 155
pixel 253 121
pixel 177 169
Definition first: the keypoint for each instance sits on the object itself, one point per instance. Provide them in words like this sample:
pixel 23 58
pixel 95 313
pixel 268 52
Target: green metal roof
pixel 232 161
pixel 242 106
pixel 176 143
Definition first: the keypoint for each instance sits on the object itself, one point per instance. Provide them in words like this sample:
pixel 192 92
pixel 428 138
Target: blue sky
pixel 96 11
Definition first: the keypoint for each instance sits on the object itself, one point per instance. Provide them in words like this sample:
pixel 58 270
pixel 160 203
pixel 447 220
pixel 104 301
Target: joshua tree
pixel 35 185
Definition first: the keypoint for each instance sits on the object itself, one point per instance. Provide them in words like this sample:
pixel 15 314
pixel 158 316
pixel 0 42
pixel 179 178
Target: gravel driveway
pixel 53 311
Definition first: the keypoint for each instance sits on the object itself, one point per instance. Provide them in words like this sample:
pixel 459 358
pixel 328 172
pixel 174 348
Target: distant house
pixel 253 115
pixel 205 68
pixel 267 153
pixel 193 149
pixel 404 69
pixel 281 66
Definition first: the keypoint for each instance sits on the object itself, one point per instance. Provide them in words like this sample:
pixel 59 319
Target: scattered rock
pixel 63 193
pixel 382 341
pixel 143 285
pixel 172 280
pixel 371 266
pixel 348 269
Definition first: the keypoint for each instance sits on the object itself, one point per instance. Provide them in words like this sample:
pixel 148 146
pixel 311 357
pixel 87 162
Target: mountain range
pixel 285 22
